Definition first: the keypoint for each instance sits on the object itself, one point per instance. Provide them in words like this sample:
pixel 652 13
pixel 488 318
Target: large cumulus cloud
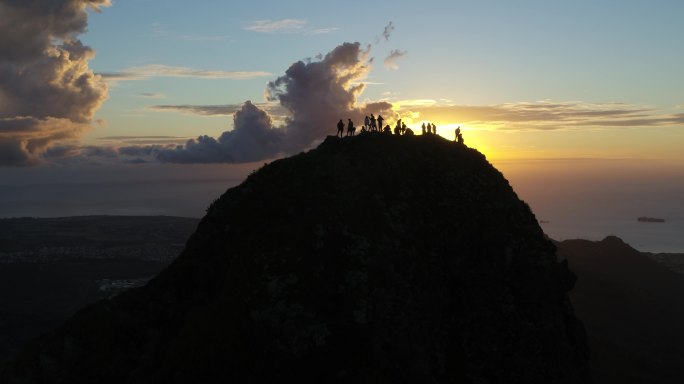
pixel 253 138
pixel 47 92
pixel 314 93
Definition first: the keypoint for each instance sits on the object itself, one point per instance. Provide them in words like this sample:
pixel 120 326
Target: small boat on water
pixel 645 219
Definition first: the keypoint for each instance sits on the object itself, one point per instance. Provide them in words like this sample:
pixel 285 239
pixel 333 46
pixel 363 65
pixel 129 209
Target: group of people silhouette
pixel 373 124
pixel 430 128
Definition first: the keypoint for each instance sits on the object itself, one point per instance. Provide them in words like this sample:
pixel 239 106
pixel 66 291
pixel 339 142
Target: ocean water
pixel 665 237
pixel 573 199
pixel 594 198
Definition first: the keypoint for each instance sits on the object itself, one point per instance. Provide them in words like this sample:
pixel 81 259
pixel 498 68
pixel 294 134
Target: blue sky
pixel 456 53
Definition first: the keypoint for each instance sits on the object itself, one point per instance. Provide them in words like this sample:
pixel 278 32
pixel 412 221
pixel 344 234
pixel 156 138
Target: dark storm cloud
pixel 47 92
pixel 314 95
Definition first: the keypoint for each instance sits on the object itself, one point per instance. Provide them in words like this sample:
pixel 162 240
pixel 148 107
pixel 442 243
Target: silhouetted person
pixel 422 127
pixel 366 122
pixel 387 129
pixel 434 129
pixel 350 127
pixel 373 122
pixel 340 128
pixel 380 120
pixel 397 130
pixel 399 125
pixel 403 127
pixel 459 136
pixel 408 131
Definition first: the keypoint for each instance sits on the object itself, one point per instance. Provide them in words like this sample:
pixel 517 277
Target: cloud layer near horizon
pixel 543 115
pixel 314 94
pixel 159 70
pixel 47 91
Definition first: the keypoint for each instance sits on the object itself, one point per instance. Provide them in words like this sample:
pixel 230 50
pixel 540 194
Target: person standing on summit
pixel 380 120
pixel 373 122
pixel 340 128
pixel 350 128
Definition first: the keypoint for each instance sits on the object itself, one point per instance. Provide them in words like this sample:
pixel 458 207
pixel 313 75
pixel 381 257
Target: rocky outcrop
pixel 377 258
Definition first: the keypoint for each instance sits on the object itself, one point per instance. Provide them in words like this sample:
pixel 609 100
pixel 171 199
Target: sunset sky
pixel 543 88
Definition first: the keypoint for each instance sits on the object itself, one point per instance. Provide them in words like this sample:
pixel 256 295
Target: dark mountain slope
pixel 377 258
pixel 633 311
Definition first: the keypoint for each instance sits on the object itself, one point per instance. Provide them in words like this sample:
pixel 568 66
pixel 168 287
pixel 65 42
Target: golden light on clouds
pixel 551 130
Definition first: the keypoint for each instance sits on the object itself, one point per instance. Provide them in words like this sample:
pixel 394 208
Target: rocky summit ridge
pixel 375 258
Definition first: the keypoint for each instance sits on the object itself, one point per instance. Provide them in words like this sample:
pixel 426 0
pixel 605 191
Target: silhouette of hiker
pixel 403 127
pixel 423 128
pixel 397 130
pixel 366 122
pixel 434 129
pixel 373 122
pixel 408 131
pixel 458 135
pixel 350 128
pixel 340 128
pixel 398 125
pixel 380 120
pixel 387 129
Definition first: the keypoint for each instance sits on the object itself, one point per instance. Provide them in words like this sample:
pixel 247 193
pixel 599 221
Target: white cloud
pixel 392 57
pixel 543 115
pixel 151 95
pixel 276 26
pixel 160 70
pixel 292 26
pixel 320 31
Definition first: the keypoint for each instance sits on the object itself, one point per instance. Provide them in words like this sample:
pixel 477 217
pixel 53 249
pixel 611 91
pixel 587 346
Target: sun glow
pixel 474 137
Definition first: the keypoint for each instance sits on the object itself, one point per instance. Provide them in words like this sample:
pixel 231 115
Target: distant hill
pixel 377 258
pixel 633 310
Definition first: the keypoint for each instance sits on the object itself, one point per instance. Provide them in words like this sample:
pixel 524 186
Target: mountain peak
pixel 375 258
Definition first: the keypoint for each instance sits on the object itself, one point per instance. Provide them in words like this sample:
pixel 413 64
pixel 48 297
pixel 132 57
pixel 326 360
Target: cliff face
pixel 377 258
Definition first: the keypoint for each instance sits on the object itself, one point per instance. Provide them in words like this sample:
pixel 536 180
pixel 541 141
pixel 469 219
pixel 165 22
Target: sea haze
pixel 172 190
pixel 592 198
pixel 577 198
